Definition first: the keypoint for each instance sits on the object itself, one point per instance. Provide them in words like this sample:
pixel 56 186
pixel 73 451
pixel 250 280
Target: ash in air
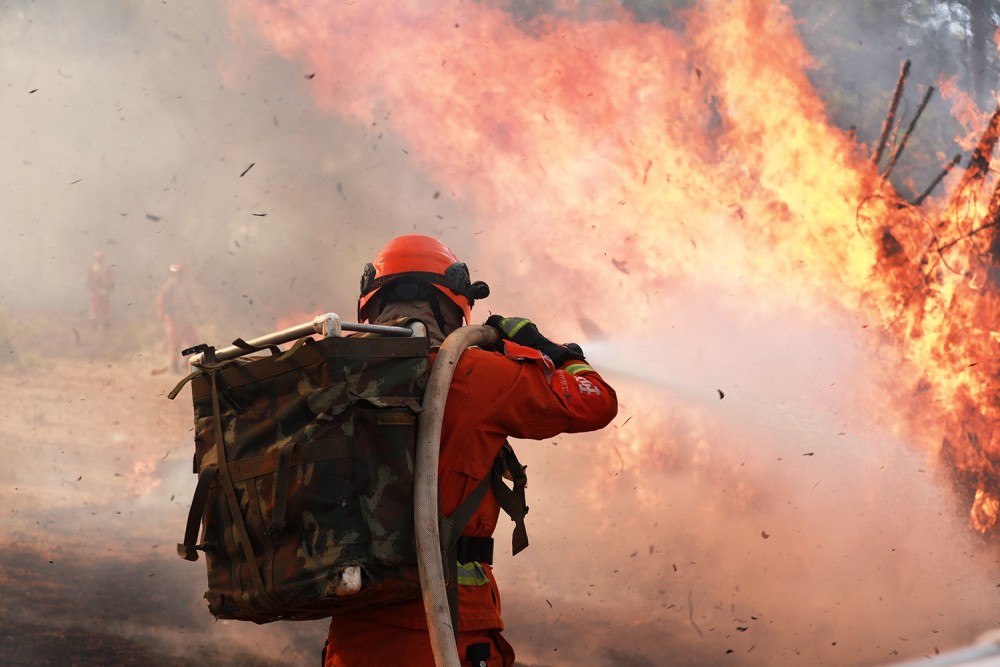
pixel 750 506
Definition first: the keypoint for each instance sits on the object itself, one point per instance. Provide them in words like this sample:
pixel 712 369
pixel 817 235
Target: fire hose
pixel 425 491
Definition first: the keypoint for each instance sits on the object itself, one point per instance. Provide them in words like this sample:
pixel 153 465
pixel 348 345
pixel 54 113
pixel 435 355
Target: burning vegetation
pixel 935 295
pixel 941 273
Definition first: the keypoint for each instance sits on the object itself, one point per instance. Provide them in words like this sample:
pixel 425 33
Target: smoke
pixel 748 508
pixel 749 505
pixel 859 50
pixel 137 129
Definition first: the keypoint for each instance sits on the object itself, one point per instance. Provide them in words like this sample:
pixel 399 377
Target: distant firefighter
pixel 100 282
pixel 176 310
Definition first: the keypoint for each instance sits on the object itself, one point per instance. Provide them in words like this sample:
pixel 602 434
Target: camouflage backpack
pixel 305 479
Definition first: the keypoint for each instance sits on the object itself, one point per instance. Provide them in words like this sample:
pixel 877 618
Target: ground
pixel 94 488
pixel 848 555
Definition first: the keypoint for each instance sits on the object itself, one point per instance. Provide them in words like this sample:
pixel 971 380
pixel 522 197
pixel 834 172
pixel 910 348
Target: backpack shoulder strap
pixel 511 500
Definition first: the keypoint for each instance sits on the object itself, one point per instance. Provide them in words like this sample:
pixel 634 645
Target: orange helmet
pixel 409 265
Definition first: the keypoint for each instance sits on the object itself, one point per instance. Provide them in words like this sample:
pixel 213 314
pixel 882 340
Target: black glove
pixel 524 332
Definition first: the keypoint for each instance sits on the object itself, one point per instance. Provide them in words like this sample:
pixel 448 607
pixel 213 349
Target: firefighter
pixel 530 387
pixel 100 281
pixel 175 309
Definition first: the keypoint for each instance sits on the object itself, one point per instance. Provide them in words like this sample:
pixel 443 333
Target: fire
pixel 144 478
pixel 291 319
pixel 632 161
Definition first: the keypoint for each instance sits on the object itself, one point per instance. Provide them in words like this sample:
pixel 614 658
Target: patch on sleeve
pixel 586 386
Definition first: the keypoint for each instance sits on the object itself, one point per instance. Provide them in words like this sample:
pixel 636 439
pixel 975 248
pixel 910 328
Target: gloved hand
pixel 524 332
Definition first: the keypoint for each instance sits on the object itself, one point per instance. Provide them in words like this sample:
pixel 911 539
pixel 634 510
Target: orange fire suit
pixel 492 396
pixel 100 282
pixel 174 308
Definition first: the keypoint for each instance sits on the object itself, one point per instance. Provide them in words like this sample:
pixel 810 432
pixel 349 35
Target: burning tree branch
pixel 890 118
pixel 965 197
pixel 937 180
pixel 909 131
pixel 943 308
pixel 979 163
pixel 973 232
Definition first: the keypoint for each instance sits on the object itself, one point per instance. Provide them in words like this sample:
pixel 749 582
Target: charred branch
pixel 975 172
pixel 993 211
pixel 909 131
pixel 986 226
pixel 940 177
pixel 890 118
pixel 993 251
pixel 990 253
pixel 979 163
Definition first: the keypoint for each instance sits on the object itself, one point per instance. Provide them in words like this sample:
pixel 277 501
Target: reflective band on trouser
pixel 472 574
pixel 576 369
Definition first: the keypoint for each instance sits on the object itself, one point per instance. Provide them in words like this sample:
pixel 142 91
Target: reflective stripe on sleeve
pixel 576 369
pixel 472 574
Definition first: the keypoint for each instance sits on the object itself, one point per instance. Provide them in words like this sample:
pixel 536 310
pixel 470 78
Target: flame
pixel 965 111
pixel 633 162
pixel 293 318
pixel 984 510
pixel 144 478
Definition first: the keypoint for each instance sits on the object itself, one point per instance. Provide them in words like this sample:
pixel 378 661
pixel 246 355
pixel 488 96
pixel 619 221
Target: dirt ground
pixel 95 484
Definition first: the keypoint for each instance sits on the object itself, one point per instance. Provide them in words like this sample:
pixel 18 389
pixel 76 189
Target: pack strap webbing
pixel 281 480
pixel 450 528
pixel 303 453
pixel 206 366
pixel 280 462
pixel 511 501
pixel 475 549
pixel 188 550
pixel 256 517
pixel 226 482
pixel 247 347
pixel 209 364
pixel 180 385
pixel 293 349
